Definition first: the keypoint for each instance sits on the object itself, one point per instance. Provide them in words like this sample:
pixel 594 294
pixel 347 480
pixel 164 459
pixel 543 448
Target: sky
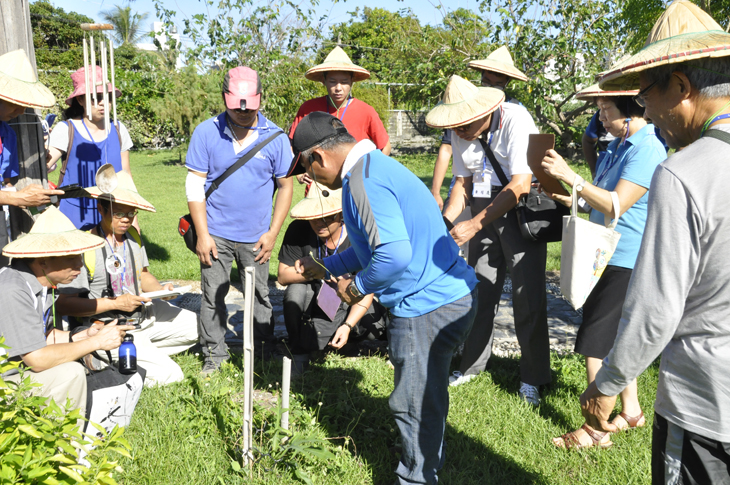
pixel 427 11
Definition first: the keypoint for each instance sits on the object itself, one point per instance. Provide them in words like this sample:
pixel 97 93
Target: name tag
pixel 482 185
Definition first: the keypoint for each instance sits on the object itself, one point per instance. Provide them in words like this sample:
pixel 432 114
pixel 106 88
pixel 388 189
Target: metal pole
pixel 114 84
pixel 87 92
pixel 93 71
pixel 285 381
pixel 105 82
pixel 248 294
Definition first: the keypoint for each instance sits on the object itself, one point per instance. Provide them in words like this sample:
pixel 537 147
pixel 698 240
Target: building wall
pixel 408 131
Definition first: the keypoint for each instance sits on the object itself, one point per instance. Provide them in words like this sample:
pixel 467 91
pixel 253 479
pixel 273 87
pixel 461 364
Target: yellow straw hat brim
pixel 595 92
pixel 337 60
pixel 316 206
pixel 500 67
pixel 463 103
pixel 122 196
pixel 19 83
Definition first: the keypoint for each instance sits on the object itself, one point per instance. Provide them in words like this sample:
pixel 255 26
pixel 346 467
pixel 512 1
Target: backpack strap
pixel 718 135
pixel 64 156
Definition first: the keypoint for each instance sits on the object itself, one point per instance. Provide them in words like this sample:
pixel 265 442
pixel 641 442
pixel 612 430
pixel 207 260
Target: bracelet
pixel 351 327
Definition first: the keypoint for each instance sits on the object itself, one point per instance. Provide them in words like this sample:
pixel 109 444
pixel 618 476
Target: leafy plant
pixel 40 442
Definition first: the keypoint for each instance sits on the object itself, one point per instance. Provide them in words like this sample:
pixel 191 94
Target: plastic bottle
pixel 128 356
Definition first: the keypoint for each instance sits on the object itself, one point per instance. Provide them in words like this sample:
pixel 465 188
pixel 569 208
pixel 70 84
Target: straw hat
pixel 52 234
pixel 316 204
pixel 499 61
pixel 684 32
pixel 595 92
pixel 19 83
pixel 463 103
pixel 337 60
pixel 79 80
pixel 125 193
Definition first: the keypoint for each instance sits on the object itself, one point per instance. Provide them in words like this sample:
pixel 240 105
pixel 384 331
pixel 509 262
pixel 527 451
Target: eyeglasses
pixel 639 98
pixel 463 128
pixel 100 97
pixel 119 215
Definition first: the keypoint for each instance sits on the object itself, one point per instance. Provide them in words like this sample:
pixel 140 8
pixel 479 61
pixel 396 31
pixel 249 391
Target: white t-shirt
pixel 509 134
pixel 59 135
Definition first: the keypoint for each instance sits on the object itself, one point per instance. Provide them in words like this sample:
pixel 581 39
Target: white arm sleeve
pixel 195 188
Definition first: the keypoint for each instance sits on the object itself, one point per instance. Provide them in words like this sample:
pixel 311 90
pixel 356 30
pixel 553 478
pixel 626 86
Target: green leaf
pixel 37 472
pixel 299 473
pixel 236 467
pixel 71 474
pixel 30 430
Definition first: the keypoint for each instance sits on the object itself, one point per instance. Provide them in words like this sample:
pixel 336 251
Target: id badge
pixel 482 185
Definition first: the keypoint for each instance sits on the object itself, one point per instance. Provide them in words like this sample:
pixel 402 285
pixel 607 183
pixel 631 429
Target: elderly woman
pixel 85 146
pixel 627 168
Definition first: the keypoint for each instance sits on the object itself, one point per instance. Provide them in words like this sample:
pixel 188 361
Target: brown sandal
pixel 572 442
pixel 631 422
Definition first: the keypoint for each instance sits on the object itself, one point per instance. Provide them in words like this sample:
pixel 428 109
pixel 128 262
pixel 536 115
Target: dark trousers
pixel 681 457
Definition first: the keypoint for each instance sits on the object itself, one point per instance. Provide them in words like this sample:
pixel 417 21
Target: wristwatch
pixel 353 291
pixel 579 183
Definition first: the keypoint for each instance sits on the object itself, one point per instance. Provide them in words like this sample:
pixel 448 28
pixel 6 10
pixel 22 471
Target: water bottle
pixel 128 356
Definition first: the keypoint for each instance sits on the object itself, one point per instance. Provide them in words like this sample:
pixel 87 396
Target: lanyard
pixel 710 122
pixel 123 262
pixel 337 247
pixel 47 313
pixel 489 143
pixel 347 105
pixel 609 166
pixel 106 158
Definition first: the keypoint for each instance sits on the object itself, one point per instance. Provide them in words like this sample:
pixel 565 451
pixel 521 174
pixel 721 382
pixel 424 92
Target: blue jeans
pixel 421 349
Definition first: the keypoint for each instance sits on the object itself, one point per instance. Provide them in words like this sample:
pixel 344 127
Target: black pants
pixel 681 457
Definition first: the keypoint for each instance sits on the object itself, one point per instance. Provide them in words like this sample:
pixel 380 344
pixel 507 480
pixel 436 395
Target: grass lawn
pixel 342 430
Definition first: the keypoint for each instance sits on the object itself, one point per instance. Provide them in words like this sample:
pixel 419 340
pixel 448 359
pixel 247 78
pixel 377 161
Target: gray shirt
pixel 25 303
pixel 678 301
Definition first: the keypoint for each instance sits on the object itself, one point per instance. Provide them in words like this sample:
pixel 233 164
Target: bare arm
pixel 125 162
pixel 150 282
pixel 439 172
pixel 357 311
pixel 288 275
pixel 206 244
pixel 31 195
pixel 85 307
pixel 281 209
pixel 459 198
pixel 386 149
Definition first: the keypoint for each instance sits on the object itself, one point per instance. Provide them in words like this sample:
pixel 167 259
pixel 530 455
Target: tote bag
pixel 587 249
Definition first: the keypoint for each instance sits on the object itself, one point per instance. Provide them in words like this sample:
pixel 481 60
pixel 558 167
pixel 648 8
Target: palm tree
pixel 126 24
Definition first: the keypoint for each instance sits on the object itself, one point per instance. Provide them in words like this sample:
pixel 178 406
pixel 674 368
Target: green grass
pixel 189 432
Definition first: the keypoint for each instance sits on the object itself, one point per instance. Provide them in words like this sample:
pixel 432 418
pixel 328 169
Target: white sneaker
pixel 457 378
pixel 529 394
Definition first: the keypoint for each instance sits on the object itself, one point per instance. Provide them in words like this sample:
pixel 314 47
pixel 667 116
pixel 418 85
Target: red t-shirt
pixel 360 119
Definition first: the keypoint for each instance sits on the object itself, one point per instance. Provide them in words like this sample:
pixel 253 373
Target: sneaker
pixel 457 378
pixel 209 367
pixel 529 394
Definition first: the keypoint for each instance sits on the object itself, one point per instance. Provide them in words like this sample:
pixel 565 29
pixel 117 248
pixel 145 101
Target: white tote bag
pixel 587 249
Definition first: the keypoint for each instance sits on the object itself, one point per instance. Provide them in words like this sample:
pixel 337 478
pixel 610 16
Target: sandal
pixel 631 422
pixel 571 441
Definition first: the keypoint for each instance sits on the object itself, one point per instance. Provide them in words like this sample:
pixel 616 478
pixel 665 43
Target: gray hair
pixel 331 144
pixel 710 76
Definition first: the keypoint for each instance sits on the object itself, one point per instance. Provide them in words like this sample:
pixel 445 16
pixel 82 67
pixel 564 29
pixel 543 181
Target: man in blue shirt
pixel 403 253
pixel 233 223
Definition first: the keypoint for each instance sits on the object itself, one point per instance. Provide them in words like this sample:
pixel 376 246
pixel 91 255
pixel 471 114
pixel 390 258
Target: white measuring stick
pixel 87 95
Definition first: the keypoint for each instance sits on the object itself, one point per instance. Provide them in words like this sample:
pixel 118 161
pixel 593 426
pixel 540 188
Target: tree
pixel 126 24
pixel 57 37
pixel 561 45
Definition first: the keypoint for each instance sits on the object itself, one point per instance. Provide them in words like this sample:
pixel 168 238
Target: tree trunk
pixel 17 34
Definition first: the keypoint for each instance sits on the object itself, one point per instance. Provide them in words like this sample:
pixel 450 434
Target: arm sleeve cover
pixel 344 262
pixel 195 188
pixel 388 263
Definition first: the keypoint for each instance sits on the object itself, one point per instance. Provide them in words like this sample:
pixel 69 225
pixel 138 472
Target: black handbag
pixel 540 218
pixel 186 227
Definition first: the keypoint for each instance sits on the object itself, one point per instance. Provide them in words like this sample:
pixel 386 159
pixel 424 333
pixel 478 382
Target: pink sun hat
pixel 79 81
pixel 242 88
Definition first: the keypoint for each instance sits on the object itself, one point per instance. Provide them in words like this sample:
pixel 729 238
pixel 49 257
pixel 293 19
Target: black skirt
pixel 602 313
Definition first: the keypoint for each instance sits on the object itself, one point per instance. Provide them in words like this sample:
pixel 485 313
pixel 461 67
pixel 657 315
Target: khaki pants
pixel 65 381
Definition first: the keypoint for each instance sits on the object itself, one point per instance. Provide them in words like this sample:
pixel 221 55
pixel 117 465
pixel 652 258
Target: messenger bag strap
pixel 495 164
pixel 65 156
pixel 719 135
pixel 240 163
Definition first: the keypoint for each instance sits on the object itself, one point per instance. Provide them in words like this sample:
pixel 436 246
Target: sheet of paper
pixel 177 291
pixel 328 300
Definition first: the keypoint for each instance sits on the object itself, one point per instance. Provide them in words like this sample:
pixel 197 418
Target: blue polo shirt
pixel 9 165
pixel 240 209
pixel 386 206
pixel 634 161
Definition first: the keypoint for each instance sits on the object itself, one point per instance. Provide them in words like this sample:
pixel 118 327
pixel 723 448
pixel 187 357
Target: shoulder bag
pixel 540 218
pixel 186 227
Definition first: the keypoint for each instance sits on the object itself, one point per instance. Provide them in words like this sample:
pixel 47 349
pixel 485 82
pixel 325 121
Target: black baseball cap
pixel 314 129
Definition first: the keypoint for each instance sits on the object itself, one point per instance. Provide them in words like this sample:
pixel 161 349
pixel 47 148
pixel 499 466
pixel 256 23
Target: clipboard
pixel 537 145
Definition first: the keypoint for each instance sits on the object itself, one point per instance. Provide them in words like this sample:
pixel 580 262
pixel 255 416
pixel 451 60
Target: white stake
pixel 285 381
pixel 93 71
pixel 114 85
pixel 87 95
pixel 248 344
pixel 105 82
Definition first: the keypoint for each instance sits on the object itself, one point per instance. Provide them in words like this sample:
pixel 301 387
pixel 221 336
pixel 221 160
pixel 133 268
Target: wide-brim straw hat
pixel 52 234
pixel 79 80
pixel 463 103
pixel 19 83
pixel 125 193
pixel 499 61
pixel 316 204
pixel 596 92
pixel 684 32
pixel 337 60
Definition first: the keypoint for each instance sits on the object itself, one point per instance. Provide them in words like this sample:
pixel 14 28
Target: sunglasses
pixel 119 215
pixel 639 98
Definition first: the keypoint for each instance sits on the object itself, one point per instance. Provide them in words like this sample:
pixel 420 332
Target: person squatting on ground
pixel 49 255
pixel 314 315
pixel 625 172
pixel 231 226
pixel 338 73
pixel 677 301
pixel 402 252
pixel 113 278
pixel 497 71
pixel 85 146
pixel 482 121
